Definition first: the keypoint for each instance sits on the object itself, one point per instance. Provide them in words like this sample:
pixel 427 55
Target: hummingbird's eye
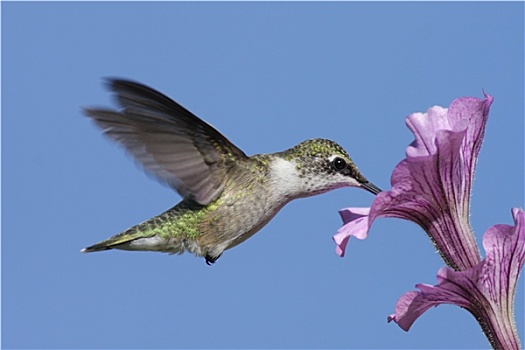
pixel 338 163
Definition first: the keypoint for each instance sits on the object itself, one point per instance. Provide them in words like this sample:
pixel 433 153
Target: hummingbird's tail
pixel 163 233
pixel 147 236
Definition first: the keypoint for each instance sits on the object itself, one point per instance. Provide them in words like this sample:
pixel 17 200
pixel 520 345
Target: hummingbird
pixel 227 195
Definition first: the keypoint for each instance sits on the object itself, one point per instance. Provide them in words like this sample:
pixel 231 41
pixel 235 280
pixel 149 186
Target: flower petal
pixel 356 224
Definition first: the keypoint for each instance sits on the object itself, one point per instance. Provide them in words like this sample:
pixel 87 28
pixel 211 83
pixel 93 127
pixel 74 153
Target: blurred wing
pixel 170 142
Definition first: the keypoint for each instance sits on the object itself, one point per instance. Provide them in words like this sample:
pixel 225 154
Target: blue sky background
pixel 267 75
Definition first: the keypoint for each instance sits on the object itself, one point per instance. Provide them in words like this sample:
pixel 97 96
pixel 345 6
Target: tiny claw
pixel 210 260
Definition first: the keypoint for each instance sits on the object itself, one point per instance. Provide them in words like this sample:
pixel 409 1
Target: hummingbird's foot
pixel 210 259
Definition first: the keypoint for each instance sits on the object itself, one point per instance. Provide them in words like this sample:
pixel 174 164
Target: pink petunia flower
pixel 431 186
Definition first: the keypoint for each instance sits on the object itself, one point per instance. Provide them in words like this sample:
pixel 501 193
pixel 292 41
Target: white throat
pixel 285 178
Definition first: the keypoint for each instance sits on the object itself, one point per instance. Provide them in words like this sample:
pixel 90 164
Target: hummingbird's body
pixel 228 195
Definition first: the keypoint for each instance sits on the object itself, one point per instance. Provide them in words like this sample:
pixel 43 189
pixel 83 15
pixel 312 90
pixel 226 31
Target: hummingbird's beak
pixel 370 187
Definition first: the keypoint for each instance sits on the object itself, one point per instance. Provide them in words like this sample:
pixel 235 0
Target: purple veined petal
pixel 487 290
pixel 413 304
pixel 425 126
pixel 356 224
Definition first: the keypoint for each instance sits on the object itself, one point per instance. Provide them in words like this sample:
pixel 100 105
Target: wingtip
pixel 111 81
pixel 87 111
pixel 115 84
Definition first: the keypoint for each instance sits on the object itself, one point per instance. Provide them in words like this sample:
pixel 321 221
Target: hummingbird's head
pixel 322 165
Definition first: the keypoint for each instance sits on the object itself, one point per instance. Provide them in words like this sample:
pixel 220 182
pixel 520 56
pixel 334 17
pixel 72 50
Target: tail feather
pixel 95 248
pixel 117 241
